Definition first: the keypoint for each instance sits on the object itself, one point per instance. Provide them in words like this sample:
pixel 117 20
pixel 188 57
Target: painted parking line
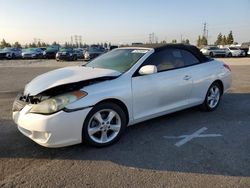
pixel 187 138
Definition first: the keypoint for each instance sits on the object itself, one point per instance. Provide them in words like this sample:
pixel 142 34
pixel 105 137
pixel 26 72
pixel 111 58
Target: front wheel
pixel 104 125
pixel 213 97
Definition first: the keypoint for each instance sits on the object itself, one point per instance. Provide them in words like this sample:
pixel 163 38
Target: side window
pixel 171 59
pixel 166 60
pixel 188 58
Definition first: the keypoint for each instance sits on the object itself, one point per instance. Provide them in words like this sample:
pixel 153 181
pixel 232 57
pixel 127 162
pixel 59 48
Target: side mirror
pixel 148 69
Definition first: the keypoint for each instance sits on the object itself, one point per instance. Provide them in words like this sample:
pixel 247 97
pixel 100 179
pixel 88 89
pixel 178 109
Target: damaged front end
pixel 55 99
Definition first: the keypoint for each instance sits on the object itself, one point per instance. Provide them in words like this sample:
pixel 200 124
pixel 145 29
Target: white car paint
pixel 235 52
pixel 145 97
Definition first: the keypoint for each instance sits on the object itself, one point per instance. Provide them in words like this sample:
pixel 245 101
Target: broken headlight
pixel 57 103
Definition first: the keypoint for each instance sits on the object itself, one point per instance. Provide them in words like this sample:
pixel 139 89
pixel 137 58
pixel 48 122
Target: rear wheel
pixel 104 125
pixel 213 97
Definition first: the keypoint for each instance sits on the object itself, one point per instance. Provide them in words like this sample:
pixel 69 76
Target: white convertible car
pixel 96 102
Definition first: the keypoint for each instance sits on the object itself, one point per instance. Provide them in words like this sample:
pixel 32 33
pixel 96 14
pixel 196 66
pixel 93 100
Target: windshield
pixel 29 50
pixel 232 48
pixel 214 48
pixel 120 60
pixel 65 49
pixel 93 50
pixel 7 49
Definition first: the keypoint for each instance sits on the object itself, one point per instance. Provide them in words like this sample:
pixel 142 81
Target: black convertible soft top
pixel 192 49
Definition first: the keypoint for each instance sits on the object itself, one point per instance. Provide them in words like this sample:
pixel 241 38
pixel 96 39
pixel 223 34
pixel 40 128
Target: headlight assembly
pixel 57 103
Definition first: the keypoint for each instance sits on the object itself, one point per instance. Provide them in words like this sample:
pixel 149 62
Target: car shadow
pixel 144 146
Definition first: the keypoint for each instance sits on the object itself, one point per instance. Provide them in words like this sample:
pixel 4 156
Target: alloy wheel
pixel 104 126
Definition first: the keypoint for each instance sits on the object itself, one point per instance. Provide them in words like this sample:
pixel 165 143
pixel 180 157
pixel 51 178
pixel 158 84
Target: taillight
pixel 227 67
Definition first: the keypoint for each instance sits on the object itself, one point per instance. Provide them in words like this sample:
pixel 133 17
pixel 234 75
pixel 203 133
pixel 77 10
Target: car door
pixel 165 91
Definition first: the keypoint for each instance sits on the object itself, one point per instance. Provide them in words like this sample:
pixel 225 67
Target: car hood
pixel 64 76
pixel 4 52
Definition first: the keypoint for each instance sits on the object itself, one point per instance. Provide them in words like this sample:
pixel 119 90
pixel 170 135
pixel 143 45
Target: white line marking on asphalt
pixel 187 138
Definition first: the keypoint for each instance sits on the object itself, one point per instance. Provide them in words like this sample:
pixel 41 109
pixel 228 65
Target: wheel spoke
pixel 98 117
pixel 216 91
pixel 115 127
pixel 211 103
pixel 104 136
pixel 110 116
pixel 94 130
pixel 209 98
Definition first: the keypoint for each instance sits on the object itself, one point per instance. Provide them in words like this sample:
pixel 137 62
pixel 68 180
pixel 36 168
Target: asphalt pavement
pixel 190 148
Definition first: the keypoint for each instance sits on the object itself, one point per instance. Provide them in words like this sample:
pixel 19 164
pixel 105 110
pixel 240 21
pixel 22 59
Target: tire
pixel 211 54
pixel 98 130
pixel 75 58
pixel 213 97
pixel 229 55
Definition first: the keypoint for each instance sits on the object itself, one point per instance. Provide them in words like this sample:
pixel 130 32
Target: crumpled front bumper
pixel 55 130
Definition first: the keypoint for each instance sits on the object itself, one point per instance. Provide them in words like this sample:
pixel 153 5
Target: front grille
pixel 27 55
pixel 2 55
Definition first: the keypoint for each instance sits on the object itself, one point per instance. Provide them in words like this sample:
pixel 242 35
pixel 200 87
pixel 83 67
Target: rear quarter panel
pixel 204 75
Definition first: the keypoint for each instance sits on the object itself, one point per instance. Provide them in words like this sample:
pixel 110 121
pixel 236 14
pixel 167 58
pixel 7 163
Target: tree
pixel 219 39
pixel 230 38
pixel 4 44
pixel 185 41
pixel 32 45
pixel 17 45
pixel 202 41
pixel 54 43
pixel 174 41
pixel 224 40
pixel 199 41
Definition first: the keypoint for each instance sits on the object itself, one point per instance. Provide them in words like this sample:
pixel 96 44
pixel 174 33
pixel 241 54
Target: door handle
pixel 187 77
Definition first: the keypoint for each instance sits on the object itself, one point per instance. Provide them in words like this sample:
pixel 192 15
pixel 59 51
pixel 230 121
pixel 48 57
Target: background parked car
pixel 112 47
pixel 67 54
pixel 93 52
pixel 245 47
pixel 32 53
pixel 213 51
pixel 50 52
pixel 79 52
pixel 234 52
pixel 10 53
pixel 248 51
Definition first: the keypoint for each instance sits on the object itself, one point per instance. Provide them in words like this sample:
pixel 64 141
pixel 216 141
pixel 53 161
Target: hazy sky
pixel 122 21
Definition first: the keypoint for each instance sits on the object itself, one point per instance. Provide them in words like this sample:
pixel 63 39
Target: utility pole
pixel 204 29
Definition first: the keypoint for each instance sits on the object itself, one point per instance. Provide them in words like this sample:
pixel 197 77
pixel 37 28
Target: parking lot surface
pixel 213 149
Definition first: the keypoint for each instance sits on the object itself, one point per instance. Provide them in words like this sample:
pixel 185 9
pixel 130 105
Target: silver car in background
pixel 234 52
pixel 96 102
pixel 213 51
pixel 10 53
pixel 32 53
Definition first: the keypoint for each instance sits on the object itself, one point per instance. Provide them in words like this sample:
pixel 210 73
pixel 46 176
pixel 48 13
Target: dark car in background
pixel 10 53
pixel 245 46
pixel 79 52
pixel 93 52
pixel 50 52
pixel 67 54
pixel 112 47
pixel 32 53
